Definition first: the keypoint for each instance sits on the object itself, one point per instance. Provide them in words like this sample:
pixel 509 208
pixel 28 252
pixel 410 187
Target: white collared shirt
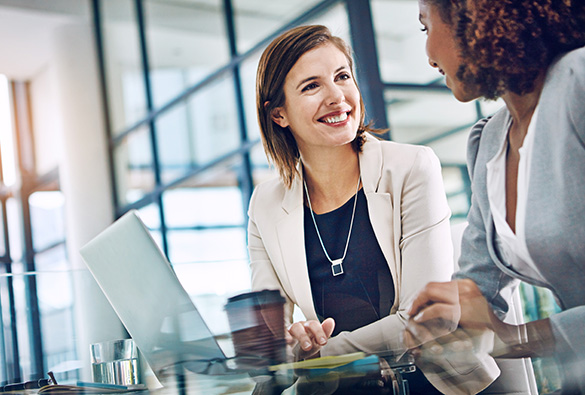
pixel 512 245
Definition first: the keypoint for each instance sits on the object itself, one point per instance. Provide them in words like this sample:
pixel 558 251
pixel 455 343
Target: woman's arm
pixel 441 308
pixel 475 261
pixel 262 272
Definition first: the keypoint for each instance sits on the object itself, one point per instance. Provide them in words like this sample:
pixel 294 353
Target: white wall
pixel 51 45
pixel 84 173
pixel 47 122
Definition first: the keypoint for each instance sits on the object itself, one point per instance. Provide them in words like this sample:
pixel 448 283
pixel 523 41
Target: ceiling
pixel 26 28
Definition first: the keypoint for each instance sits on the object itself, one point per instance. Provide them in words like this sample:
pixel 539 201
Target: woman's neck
pixel 521 108
pixel 331 177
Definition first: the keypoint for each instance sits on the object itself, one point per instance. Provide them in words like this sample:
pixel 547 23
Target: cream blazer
pixel 409 214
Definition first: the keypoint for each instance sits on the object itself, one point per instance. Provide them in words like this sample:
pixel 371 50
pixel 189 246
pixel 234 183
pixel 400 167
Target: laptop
pixel 157 312
pixel 147 296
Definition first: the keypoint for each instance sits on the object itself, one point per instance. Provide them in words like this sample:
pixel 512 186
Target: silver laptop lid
pixel 144 291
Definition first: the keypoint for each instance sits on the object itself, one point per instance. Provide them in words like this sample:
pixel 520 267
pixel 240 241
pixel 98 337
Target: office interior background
pixel 112 105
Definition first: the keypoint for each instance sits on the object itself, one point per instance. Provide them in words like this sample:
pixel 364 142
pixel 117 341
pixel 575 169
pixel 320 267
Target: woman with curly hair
pixel 527 163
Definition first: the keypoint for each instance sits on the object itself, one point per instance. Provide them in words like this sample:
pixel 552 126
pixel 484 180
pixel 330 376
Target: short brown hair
pixel 507 43
pixel 276 62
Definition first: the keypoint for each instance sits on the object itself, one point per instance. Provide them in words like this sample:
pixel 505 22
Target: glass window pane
pixel 53 259
pixel 213 120
pixel 23 329
pixel 209 287
pixel 14 216
pixel 262 171
pixel 257 19
pixel 186 41
pixel 150 215
pixel 173 141
pixel 452 149
pixel 335 18
pixel 204 129
pixel 248 70
pixel 133 166
pixel 47 218
pixel 417 116
pixel 454 179
pixel 207 245
pixel 400 43
pixel 2 246
pixel 5 343
pixel 55 295
pixel 124 72
pixel 203 206
pixel 210 198
pixel 205 216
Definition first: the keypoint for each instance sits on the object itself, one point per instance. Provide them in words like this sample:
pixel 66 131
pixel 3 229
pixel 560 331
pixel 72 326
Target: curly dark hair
pixel 506 44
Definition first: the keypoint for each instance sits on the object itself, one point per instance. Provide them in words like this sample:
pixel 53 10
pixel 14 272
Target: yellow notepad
pixel 329 362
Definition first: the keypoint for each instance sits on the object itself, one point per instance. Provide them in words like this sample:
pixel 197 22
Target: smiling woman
pixel 322 110
pixel 354 227
pixel 303 65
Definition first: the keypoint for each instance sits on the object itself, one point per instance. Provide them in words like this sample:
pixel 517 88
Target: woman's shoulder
pixel 568 69
pixel 400 159
pixel 572 58
pixel 490 130
pixel 564 91
pixel 403 151
pixel 271 187
pixel 482 143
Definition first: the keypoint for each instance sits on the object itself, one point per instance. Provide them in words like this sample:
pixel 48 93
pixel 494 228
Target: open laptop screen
pixel 143 289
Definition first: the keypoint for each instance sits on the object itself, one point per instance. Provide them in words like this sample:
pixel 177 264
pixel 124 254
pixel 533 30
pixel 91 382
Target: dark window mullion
pixel 366 57
pixel 245 178
pixel 9 328
pixel 152 122
pixel 8 333
pixel 98 32
pixel 26 162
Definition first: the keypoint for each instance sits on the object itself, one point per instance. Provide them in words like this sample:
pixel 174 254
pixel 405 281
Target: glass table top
pixel 52 332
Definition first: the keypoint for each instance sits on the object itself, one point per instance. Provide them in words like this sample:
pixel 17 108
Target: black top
pixel 353 298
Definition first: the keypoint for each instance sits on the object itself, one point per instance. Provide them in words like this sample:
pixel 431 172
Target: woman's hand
pixel 434 313
pixel 310 336
pixel 442 307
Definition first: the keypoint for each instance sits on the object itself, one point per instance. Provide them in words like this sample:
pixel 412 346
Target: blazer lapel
pixel 379 202
pixel 291 238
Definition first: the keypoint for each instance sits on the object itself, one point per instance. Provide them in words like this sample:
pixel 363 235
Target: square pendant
pixel 336 267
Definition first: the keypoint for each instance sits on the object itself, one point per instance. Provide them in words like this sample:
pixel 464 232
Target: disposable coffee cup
pixel 256 321
pixel 115 362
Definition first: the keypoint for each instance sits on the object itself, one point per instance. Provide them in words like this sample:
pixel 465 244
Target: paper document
pixel 329 362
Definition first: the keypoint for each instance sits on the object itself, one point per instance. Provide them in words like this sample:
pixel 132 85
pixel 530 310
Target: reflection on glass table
pixel 72 311
pixel 354 374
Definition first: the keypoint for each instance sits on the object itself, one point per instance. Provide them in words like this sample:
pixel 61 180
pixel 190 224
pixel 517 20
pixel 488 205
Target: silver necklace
pixel 337 264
